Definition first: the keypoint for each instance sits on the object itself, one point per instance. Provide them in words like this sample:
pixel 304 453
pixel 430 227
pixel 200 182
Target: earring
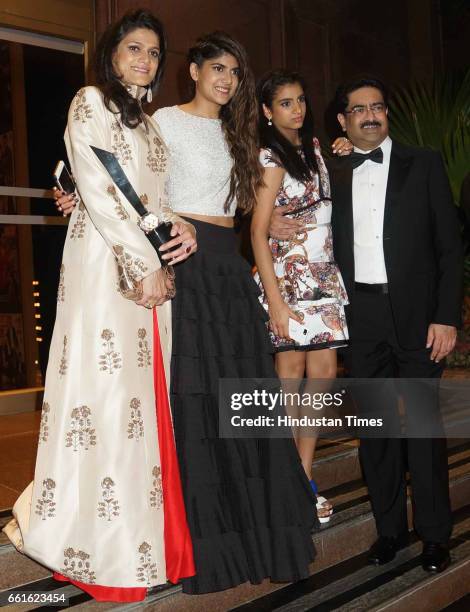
pixel 149 94
pixel 270 122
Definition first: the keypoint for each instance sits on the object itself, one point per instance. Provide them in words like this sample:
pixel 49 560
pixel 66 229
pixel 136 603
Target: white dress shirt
pixel 369 188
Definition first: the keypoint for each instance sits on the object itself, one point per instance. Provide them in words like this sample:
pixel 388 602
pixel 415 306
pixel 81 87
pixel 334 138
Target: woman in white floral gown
pixel 105 510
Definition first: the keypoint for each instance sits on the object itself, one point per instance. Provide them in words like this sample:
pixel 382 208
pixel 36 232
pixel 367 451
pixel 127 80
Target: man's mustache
pixel 371 124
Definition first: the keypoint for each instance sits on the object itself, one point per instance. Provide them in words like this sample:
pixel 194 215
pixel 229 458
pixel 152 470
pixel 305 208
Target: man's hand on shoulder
pixel 280 226
pixel 342 146
pixel 441 338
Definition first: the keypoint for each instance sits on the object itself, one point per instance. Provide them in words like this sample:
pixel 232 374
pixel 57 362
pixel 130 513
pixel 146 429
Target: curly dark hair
pixel 239 119
pixel 106 79
pixel 271 138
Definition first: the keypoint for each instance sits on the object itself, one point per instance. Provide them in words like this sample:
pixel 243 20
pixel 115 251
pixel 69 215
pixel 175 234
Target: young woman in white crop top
pixel 249 505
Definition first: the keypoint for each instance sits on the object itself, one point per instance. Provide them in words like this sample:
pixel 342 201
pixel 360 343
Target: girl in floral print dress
pixel 301 286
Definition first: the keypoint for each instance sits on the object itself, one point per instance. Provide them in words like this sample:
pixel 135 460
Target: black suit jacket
pixel 421 241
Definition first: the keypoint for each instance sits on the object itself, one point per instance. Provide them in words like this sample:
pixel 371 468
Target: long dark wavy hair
pixel 239 119
pixel 108 81
pixel 299 167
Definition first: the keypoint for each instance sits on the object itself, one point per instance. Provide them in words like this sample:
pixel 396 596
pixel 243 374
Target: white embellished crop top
pixel 200 163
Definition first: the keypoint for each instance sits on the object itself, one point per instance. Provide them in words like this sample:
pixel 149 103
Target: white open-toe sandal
pixel 320 502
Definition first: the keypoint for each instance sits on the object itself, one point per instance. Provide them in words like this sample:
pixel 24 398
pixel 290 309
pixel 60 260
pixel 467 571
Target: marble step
pixel 349 534
pixel 346 538
pixel 337 461
pixel 351 529
pixel 460 605
pixel 402 584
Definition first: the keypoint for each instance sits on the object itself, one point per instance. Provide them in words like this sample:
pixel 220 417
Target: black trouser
pixel 376 353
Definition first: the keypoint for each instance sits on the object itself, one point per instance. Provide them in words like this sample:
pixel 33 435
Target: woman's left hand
pixel 342 146
pixel 155 289
pixel 186 241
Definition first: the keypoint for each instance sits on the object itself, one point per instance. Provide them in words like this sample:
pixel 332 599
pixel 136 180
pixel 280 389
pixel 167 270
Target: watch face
pixel 149 222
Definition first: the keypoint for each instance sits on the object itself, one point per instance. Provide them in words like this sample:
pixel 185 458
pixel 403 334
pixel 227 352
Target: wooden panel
pixel 386 59
pixel 277 33
pixel 71 19
pixel 362 41
pixel 77 14
pixel 329 42
pixel 313 63
pixel 250 21
pixel 176 85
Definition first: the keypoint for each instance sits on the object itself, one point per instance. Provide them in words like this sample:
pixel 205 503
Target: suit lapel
pixel 343 199
pixel 400 162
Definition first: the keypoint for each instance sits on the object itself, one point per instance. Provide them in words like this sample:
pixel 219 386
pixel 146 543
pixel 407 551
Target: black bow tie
pixel 357 159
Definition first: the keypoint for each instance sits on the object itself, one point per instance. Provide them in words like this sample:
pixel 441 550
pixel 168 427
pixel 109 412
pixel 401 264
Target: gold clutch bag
pixel 128 286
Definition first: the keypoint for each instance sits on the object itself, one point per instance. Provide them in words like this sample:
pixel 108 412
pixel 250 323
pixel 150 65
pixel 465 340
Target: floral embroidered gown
pixel 308 278
pixel 106 475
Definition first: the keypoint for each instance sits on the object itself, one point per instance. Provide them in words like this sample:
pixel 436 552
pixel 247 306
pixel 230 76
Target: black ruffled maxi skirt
pixel 249 505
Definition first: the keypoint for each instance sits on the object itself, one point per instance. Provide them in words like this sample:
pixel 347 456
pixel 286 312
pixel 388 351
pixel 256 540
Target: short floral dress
pixel 308 277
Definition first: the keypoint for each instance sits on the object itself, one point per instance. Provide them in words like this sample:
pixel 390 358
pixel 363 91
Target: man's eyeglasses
pixel 360 109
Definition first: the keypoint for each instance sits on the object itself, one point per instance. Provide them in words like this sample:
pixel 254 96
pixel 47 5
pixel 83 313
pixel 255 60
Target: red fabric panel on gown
pixel 103 593
pixel 178 545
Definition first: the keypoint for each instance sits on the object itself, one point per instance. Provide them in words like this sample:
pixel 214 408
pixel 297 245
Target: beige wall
pixel 71 19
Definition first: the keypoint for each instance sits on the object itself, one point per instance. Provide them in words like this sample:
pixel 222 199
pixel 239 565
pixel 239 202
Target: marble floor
pixel 18 446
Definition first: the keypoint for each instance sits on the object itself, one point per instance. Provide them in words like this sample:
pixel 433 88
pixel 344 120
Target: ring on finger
pixel 169 272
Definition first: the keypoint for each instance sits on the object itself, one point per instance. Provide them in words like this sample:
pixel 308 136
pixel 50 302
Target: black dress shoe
pixel 384 549
pixel 435 557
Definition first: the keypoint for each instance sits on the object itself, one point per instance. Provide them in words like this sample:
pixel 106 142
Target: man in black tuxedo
pixel 397 242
